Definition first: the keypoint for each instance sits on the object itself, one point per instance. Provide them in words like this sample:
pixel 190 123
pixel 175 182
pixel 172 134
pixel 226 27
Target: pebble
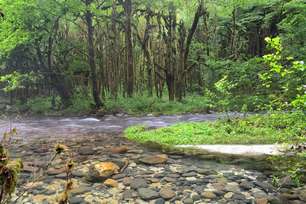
pixel 147 194
pixel 167 193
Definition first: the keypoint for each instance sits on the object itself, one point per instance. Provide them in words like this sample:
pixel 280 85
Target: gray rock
pixel 267 187
pixel 238 196
pixel 138 183
pixel 196 197
pixel 167 193
pixel 86 151
pixel 128 194
pixel 159 201
pixel 246 185
pixel 188 201
pixel 80 190
pixel 147 194
pixel 76 200
pixel 209 195
pixel 189 174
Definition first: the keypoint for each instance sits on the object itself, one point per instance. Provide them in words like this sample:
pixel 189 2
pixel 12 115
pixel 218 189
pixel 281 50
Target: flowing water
pixel 70 127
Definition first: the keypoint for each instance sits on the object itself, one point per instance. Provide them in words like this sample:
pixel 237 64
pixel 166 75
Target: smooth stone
pixel 246 185
pixel 238 196
pixel 147 194
pixel 188 201
pixel 119 176
pixel 195 197
pixel 53 171
pixel 128 194
pixel 50 192
pixel 167 193
pixel 138 183
pixel 86 151
pixel 111 183
pixel 80 190
pixel 154 159
pixel 127 181
pixel 119 150
pixel 76 200
pixel 228 195
pixel 170 180
pixel 209 195
pixel 232 187
pixel 189 174
pixel 261 201
pixel 61 176
pixel 159 201
pixel 267 187
pixel 102 171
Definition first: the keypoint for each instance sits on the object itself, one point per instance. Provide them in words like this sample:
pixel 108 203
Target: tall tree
pixel 91 54
pixel 128 10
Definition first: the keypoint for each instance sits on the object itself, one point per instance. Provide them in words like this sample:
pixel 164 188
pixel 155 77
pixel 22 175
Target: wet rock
pixel 111 183
pixel 159 201
pixel 246 185
pixel 238 196
pixel 80 190
pixel 127 181
pixel 102 171
pixel 128 194
pixel 76 200
pixel 119 176
pixel 267 187
pixel 189 174
pixel 232 187
pixel 154 159
pixel 228 195
pixel 261 201
pixel 167 193
pixel 188 201
pixel 85 151
pixel 119 150
pixel 54 171
pixel 170 180
pixel 29 167
pixel 209 195
pixel 138 183
pixel 147 194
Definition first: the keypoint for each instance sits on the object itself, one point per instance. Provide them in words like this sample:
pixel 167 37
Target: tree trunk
pixel 129 47
pixel 91 57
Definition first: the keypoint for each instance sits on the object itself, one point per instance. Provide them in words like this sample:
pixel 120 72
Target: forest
pixel 152 101
pixel 149 56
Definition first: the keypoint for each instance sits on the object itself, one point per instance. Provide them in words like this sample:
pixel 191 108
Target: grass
pixel 257 129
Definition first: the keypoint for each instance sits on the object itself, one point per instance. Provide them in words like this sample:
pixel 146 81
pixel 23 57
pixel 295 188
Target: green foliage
pixel 81 102
pixel 17 80
pixel 143 105
pixel 40 105
pixel 292 166
pixel 286 77
pixel 258 129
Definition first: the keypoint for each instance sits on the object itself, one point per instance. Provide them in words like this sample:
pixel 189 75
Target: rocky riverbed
pixel 110 169
pixel 149 177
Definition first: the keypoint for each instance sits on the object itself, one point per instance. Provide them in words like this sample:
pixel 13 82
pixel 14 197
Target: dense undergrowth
pixel 141 105
pixel 277 127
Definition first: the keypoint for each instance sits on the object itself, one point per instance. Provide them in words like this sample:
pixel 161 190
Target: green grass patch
pixel 257 129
